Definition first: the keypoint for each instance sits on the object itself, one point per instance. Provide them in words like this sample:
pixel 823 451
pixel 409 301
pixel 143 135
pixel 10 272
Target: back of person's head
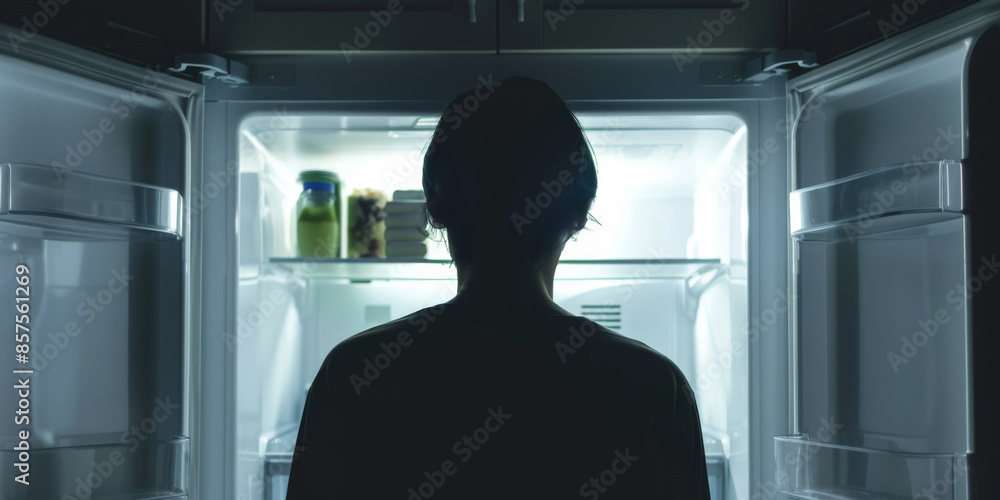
pixel 509 174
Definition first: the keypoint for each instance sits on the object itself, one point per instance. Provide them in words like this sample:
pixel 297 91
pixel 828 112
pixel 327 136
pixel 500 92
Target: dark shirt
pixel 449 402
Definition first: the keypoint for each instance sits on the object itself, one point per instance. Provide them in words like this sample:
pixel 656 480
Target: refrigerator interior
pixel 92 222
pixel 666 266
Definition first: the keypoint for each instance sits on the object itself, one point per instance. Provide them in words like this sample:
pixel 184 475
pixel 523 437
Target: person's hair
pixel 508 173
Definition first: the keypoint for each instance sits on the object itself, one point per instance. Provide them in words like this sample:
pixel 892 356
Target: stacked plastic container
pixel 405 225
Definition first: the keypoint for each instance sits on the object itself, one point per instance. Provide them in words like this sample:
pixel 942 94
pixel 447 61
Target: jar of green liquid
pixel 318 223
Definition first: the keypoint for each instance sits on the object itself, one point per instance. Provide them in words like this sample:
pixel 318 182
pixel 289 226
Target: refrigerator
pixel 815 254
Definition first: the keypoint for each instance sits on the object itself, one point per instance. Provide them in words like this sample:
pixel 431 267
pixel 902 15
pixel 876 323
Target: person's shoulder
pixel 396 331
pixel 656 374
pixel 378 346
pixel 629 356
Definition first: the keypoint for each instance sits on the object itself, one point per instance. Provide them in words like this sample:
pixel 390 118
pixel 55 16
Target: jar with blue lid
pixel 317 215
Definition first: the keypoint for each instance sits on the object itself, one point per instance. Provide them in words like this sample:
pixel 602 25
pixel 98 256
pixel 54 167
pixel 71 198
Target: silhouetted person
pixel 500 393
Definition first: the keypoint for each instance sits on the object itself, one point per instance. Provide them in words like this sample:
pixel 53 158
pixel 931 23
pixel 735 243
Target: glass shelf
pixel 879 200
pixel 816 470
pixel 425 269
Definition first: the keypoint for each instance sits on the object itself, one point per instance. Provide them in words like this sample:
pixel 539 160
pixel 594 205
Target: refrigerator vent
pixel 607 315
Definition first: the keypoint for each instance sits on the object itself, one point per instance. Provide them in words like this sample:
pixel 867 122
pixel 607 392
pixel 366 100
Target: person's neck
pixel 486 286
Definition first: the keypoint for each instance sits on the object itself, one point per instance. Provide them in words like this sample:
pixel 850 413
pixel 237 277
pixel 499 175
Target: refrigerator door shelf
pixel 114 469
pixel 813 469
pixel 402 268
pixel 876 201
pixel 51 203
